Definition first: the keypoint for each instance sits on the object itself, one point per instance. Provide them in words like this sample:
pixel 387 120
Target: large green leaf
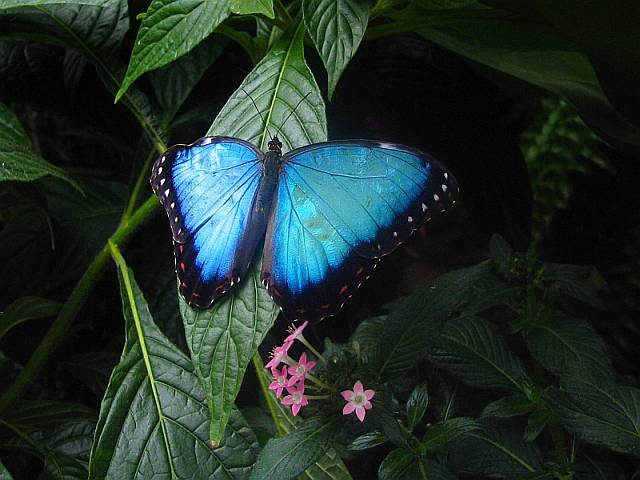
pixel 564 345
pixel 153 420
pixel 417 320
pixel 479 357
pixel 169 29
pixel 4 473
pixel 247 7
pixel 26 308
pixel 58 432
pixel 35 3
pixel 531 51
pixel 611 45
pixel 289 456
pixel 280 82
pixel 417 405
pixel 336 27
pixel 496 451
pixel 600 412
pixel 442 433
pixel 222 340
pixel 174 82
pixel 19 162
pixel 93 31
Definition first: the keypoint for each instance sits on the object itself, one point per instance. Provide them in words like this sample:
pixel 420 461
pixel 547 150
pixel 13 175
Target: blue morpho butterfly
pixel 330 211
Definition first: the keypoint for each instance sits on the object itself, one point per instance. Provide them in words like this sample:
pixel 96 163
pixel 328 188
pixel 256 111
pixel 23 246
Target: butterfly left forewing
pixel 208 190
pixel 340 207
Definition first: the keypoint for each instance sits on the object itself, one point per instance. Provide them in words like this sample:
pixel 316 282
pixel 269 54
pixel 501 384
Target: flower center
pixel 297 397
pixel 300 370
pixel 359 399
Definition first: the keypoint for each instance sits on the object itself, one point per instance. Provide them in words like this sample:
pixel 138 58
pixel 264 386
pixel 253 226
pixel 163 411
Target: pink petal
pixel 369 394
pixel 292 381
pixel 310 365
pixel 295 409
pixel 303 358
pixel 304 402
pixel 360 412
pixel 288 400
pixel 347 395
pixel 272 363
pixel 348 408
pixel 368 405
pixel 357 387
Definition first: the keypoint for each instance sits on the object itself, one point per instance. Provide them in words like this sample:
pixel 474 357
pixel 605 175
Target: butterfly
pixel 328 212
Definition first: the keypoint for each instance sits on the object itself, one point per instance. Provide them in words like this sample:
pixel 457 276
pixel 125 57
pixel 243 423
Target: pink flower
pixel 296 398
pixel 279 354
pixel 294 333
pixel 300 369
pixel 358 400
pixel 279 380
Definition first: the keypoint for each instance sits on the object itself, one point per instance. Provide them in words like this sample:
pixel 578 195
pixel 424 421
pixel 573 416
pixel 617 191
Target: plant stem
pixel 143 177
pixel 60 326
pixel 264 386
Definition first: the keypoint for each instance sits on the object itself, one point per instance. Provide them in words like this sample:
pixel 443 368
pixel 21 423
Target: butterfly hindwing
pixel 339 207
pixel 208 190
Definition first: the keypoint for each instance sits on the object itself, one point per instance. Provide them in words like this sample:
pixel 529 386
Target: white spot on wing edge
pixel 166 192
pixel 409 219
pixel 395 234
pixel 444 187
pixel 159 170
pixel 436 197
pixel 446 175
pixel 173 204
pixel 162 180
pixel 424 207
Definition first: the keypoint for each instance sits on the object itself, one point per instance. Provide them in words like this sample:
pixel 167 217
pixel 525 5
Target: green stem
pixel 264 386
pixel 60 326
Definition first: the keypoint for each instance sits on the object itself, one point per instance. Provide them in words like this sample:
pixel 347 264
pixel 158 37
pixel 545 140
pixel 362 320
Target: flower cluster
pixel 293 374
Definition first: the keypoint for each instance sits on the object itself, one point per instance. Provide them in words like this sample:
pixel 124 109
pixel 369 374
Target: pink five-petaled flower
pixel 279 354
pixel 300 369
pixel 279 380
pixel 296 398
pixel 294 333
pixel 358 400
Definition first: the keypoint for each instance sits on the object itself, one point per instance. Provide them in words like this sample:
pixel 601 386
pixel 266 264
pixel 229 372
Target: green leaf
pixel 529 50
pixel 36 3
pixel 173 83
pixel 496 451
pixel 417 320
pixel 26 308
pixel 95 32
pixel 286 457
pixel 367 441
pixel 442 433
pixel 4 473
pixel 18 161
pixel 564 344
pixel 600 413
pixel 277 84
pixel 336 27
pixel 170 29
pixel 223 339
pixel 536 422
pixel 396 465
pixel 610 45
pixel 92 369
pixel 583 283
pixel 417 404
pixel 60 433
pixel 154 392
pixel 500 252
pixel 511 406
pixel 469 349
pixel 248 7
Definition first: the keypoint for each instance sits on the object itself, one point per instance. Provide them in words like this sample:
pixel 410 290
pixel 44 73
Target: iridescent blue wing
pixel 208 189
pixel 340 207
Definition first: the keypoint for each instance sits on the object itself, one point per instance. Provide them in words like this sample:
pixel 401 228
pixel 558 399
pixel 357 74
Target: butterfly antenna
pixel 291 112
pixel 259 112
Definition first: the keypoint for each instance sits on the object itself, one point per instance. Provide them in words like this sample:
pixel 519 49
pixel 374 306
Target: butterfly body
pixel 328 212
